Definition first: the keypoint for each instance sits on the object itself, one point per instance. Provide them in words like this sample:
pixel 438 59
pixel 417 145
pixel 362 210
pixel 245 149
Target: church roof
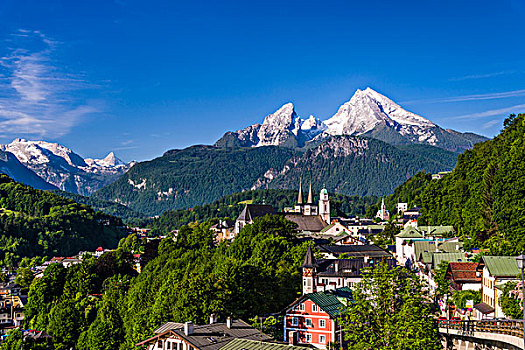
pixel 310 195
pixel 312 223
pixel 300 196
pixel 309 259
pixel 252 211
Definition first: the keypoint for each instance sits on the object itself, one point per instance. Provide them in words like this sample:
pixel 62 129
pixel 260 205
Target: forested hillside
pixel 484 197
pixel 361 166
pixel 190 279
pixel 39 223
pixel 192 176
pixel 231 206
pixel 107 207
pixel 198 175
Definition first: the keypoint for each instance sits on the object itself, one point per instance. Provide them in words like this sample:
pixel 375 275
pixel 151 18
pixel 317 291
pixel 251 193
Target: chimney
pixel 336 266
pixel 188 328
pixel 229 322
pixel 213 319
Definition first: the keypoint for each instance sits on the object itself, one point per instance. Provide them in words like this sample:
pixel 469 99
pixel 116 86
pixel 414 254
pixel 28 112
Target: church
pixel 310 218
pixel 309 208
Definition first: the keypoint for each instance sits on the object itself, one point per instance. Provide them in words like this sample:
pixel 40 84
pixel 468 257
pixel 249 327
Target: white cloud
pixel 480 76
pixel 490 123
pixel 477 97
pixel 38 97
pixel 490 113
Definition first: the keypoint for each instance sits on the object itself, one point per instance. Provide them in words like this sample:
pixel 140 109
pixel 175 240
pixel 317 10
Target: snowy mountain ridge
pixel 65 169
pixel 367 113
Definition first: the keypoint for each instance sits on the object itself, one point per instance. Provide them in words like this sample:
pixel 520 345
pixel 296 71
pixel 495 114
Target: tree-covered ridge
pixel 188 279
pixel 107 207
pixel 232 205
pixel 484 197
pixel 361 166
pixel 39 223
pixel 192 176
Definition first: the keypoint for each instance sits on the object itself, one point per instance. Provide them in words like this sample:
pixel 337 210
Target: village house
pixel 312 319
pixel 224 230
pixel 495 272
pixel 366 251
pixel 212 336
pixel 330 274
pixel 464 276
pixel 405 247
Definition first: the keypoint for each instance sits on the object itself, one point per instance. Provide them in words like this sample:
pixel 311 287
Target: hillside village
pixel 465 284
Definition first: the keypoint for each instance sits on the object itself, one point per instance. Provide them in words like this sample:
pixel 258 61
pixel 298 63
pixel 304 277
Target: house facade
pixel 312 319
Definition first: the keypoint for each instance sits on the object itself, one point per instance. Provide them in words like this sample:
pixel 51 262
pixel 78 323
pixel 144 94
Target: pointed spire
pixel 310 195
pixel 309 259
pixel 300 196
pixel 382 203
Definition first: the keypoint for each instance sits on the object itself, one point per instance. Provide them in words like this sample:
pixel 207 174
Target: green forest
pixel 38 223
pixel 483 198
pixel 232 205
pixel 104 304
pixel 198 175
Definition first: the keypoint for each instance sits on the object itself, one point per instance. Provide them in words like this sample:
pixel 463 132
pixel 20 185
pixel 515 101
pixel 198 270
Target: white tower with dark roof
pixel 324 206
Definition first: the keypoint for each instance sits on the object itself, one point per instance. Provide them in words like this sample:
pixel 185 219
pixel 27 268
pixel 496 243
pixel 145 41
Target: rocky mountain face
pixel 12 167
pixel 62 168
pixel 367 113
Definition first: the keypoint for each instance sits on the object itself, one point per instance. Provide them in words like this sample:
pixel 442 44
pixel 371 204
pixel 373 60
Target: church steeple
pixel 310 195
pixel 300 196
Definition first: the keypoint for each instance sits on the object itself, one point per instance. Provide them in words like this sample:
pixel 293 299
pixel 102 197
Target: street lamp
pixel 520 260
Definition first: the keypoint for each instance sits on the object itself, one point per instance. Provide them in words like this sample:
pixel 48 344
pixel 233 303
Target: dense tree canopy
pixel 38 223
pixel 104 305
pixel 390 310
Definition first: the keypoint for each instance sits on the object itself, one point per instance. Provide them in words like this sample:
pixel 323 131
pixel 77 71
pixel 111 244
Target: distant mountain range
pixel 53 166
pixel 367 113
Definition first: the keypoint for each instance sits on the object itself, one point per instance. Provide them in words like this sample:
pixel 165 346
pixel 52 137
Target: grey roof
pixel 252 211
pixel 309 260
pixel 347 267
pixel 168 326
pixel 312 223
pixel 214 336
pixel 361 250
pixel 245 344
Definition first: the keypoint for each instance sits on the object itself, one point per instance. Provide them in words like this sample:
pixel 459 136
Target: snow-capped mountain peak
pixel 109 161
pixel 367 112
pixel 63 168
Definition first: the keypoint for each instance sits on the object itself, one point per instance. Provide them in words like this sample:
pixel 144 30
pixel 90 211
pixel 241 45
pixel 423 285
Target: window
pixel 308 322
pixel 322 323
pixel 308 338
pixel 322 339
pixel 295 321
pixel 314 308
pixel 301 307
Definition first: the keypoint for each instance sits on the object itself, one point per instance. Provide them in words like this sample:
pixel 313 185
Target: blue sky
pixel 142 77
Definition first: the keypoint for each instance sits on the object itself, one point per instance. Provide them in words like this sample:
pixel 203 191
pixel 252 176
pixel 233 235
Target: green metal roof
pixel 427 257
pixel 332 302
pixel 438 258
pixel 327 228
pixel 501 266
pixel 409 232
pixel 423 247
pixel 418 232
pixel 240 344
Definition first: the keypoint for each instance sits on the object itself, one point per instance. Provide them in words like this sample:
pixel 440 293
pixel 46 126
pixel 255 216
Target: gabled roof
pixel 330 301
pixel 252 211
pixel 501 266
pixel 312 223
pixel 168 326
pixel 214 336
pixel 421 231
pixel 245 344
pixel 463 272
pixel 361 250
pixel 438 258
pixel 409 232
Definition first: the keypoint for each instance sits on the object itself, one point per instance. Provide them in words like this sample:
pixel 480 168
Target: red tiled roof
pixel 464 272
